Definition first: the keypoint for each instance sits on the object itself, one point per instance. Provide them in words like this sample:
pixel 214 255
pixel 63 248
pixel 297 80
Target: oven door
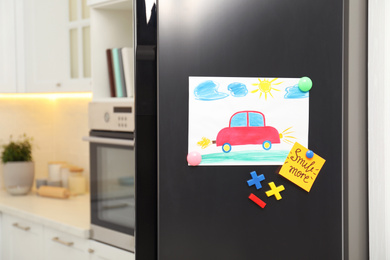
pixel 112 162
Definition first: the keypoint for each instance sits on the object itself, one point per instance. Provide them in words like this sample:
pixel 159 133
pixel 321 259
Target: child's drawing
pixel 265 86
pixel 247 127
pixel 228 126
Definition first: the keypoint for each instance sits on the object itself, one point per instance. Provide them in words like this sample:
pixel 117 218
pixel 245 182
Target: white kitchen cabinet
pixel 62 246
pixel 112 26
pixel 44 46
pixel 24 239
pixel 21 239
pixel 56 43
pixel 100 251
pixel 7 47
pixel 1 236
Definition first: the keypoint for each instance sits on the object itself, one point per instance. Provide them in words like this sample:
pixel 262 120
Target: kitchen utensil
pixel 54 192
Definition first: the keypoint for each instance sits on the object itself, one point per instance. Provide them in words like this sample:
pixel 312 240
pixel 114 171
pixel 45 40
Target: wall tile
pixel 57 127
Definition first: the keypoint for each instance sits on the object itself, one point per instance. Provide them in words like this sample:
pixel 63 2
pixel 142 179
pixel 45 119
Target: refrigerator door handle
pixel 113 141
pixel 146 52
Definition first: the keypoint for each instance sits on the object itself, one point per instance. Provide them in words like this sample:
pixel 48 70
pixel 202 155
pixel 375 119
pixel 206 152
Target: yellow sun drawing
pixel 265 86
pixel 285 136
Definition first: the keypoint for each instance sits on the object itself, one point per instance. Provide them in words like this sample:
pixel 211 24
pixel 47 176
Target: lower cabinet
pixel 21 239
pixel 100 251
pixel 24 239
pixel 61 246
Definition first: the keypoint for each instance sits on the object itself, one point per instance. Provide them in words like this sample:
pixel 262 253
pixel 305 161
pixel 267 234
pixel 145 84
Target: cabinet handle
pixel 91 251
pixel 21 227
pixel 56 239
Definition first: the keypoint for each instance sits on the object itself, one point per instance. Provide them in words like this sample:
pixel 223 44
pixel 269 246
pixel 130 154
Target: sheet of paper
pixel 246 121
pixel 301 170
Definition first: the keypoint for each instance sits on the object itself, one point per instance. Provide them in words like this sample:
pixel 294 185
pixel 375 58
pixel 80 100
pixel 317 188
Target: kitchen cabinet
pixel 7 47
pixel 62 246
pixel 46 46
pixel 21 239
pixel 56 46
pixel 112 26
pixel 100 251
pixel 24 239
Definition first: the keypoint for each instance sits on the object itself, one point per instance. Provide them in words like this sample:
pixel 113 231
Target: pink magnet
pixel 194 158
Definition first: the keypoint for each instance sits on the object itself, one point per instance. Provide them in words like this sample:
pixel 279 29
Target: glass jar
pixel 77 182
pixel 65 173
pixel 54 169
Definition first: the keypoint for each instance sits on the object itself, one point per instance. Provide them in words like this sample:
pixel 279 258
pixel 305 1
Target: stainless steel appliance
pixel 112 162
pixel 204 211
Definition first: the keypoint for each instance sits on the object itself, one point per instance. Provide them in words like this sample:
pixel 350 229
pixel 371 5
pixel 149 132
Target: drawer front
pixel 21 224
pixel 65 240
pixel 100 251
pixel 21 239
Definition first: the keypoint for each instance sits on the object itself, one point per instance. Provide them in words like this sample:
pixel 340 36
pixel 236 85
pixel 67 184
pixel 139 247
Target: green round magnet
pixel 305 84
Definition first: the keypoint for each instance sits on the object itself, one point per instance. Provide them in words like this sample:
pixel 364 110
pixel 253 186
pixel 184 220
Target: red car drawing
pixel 247 127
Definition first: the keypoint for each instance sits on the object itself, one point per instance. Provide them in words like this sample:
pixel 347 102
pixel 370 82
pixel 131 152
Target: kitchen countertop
pixel 68 215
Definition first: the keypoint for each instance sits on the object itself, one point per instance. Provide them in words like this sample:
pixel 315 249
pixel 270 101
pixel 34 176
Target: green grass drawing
pixel 244 157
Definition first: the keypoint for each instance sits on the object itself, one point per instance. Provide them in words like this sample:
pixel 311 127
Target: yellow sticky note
pixel 301 170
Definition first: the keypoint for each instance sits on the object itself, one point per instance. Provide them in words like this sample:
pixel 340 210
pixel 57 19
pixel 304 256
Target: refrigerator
pixel 205 211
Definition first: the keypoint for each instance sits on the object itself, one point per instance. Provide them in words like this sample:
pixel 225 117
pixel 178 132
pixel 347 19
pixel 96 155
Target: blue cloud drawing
pixel 238 89
pixel 295 92
pixel 208 91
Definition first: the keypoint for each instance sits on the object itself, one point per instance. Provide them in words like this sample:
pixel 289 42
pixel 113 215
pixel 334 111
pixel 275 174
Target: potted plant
pixel 18 169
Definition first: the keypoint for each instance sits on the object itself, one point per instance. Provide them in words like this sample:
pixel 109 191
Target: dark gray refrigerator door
pixel 204 212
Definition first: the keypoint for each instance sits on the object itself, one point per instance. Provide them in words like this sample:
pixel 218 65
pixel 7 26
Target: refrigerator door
pixel 204 212
pixel 146 130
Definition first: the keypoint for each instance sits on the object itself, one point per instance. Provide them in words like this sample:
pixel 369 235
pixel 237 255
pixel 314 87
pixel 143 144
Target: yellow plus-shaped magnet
pixel 275 190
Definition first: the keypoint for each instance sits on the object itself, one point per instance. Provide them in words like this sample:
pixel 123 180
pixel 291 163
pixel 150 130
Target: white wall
pixel 56 124
pixel 379 127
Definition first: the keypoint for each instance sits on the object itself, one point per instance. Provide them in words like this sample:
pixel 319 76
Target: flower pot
pixel 18 177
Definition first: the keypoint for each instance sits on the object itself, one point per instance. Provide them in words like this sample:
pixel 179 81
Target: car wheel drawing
pixel 226 147
pixel 267 145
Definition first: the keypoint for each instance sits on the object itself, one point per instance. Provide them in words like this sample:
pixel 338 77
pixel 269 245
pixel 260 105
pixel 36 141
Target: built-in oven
pixel 112 173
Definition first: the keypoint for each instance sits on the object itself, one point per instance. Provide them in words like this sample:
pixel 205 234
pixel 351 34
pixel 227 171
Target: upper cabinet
pixel 7 47
pixel 51 48
pixel 112 23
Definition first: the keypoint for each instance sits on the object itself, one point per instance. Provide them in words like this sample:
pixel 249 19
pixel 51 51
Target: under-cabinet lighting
pixel 51 96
